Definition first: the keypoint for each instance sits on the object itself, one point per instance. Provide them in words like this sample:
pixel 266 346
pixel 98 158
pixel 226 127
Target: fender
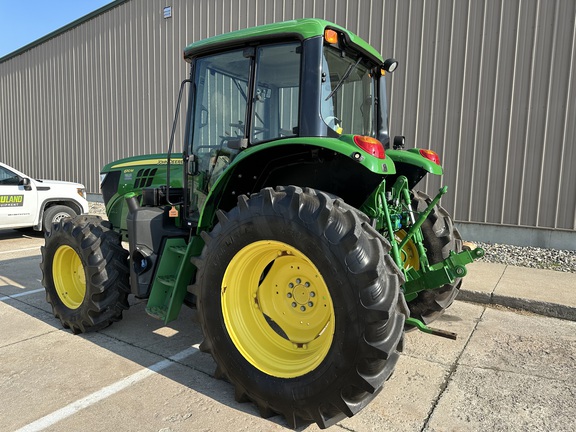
pixel 413 165
pixel 303 161
pixel 73 204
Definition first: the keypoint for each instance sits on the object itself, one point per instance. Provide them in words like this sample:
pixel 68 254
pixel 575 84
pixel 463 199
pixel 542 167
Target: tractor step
pixel 157 312
pixel 165 284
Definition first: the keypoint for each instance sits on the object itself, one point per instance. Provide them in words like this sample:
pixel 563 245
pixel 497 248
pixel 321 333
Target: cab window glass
pixel 276 98
pixel 347 94
pixel 220 108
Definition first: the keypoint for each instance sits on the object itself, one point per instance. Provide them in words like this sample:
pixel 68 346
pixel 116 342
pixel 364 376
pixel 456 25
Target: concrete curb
pixel 552 310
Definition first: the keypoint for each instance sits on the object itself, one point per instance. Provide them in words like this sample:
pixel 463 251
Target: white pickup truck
pixel 26 202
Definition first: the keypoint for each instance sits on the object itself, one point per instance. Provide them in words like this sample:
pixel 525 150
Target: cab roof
pixel 302 29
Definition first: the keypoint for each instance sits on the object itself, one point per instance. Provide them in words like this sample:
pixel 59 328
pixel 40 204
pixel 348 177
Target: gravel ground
pixel 533 257
pixel 96 208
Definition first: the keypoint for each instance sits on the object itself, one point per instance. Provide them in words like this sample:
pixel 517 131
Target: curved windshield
pixel 347 94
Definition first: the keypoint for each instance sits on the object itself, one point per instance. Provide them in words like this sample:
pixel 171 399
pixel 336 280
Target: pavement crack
pixel 451 371
pixel 29 339
pixel 492 301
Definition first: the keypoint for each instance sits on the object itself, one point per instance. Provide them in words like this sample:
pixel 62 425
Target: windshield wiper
pixel 351 67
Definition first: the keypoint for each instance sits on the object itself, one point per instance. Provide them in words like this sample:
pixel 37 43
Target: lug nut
pixel 294 304
pixel 303 308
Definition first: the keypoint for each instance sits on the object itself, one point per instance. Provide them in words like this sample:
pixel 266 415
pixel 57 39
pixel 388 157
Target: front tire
pixel 300 304
pixel 85 273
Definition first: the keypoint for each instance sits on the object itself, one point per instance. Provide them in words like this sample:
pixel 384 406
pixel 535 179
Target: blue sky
pixel 24 21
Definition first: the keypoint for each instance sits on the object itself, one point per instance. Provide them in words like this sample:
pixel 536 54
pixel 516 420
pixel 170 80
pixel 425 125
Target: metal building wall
pixel 488 84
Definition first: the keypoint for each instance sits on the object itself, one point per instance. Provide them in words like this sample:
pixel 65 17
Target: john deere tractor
pixel 287 216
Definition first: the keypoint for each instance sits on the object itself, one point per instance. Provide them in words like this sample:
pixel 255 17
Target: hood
pixel 43 182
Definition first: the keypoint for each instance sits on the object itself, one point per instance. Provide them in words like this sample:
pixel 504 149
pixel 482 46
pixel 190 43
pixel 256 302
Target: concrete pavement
pixel 506 371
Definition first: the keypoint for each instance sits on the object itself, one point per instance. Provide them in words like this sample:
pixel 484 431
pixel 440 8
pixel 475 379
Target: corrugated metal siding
pixel 488 84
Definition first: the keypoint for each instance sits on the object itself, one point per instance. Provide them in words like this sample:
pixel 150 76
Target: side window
pixel 219 109
pixel 277 88
pixel 8 178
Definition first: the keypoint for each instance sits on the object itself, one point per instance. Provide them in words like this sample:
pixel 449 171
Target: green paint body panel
pixel 129 181
pixel 302 29
pixel 344 145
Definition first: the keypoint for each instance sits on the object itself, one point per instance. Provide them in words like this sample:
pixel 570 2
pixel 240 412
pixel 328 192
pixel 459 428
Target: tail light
pixel 370 145
pixel 430 155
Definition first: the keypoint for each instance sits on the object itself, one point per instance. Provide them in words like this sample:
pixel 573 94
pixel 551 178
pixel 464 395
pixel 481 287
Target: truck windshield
pixel 347 93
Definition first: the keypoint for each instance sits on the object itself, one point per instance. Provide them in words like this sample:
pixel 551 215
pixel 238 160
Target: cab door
pixel 18 206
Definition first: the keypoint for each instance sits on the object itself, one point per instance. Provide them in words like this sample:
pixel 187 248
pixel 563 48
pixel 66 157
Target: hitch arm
pixel 444 272
pixel 424 328
pixel 423 216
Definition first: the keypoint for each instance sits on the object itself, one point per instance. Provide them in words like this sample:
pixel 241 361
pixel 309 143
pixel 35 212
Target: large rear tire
pixel 300 305
pixel 85 273
pixel 440 237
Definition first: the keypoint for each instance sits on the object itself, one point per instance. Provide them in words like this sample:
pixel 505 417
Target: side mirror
pixel 26 183
pixel 398 142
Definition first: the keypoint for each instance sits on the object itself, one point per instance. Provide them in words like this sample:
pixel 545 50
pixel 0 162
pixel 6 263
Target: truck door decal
pixel 11 200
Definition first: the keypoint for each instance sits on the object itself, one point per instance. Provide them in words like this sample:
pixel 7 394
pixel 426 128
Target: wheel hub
pixel 302 294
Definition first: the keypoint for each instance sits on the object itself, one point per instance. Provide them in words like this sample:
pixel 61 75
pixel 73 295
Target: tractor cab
pixel 252 94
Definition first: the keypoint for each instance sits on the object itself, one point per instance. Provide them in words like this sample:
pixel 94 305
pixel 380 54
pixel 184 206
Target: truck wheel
pixel 55 214
pixel 440 237
pixel 300 304
pixel 85 273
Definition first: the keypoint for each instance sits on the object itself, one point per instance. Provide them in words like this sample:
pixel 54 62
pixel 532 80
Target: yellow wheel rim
pixel 69 278
pixel 277 309
pixel 409 252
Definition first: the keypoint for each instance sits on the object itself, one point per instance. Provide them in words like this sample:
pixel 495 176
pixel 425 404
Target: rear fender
pixel 411 164
pixel 334 165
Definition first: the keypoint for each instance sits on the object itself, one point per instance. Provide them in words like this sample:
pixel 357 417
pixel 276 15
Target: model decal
pixel 149 162
pixel 11 200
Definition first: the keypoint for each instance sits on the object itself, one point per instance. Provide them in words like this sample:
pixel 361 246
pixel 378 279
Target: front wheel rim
pixel 69 278
pixel 277 309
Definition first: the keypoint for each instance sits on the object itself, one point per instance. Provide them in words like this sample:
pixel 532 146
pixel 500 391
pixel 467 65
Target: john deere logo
pixel 11 200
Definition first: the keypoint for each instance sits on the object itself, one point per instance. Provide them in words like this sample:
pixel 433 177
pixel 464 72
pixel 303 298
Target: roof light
pixel 331 36
pixel 370 145
pixel 430 155
pixel 390 65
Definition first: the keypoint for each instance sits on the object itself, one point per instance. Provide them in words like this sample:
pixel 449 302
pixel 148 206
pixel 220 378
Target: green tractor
pixel 289 219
